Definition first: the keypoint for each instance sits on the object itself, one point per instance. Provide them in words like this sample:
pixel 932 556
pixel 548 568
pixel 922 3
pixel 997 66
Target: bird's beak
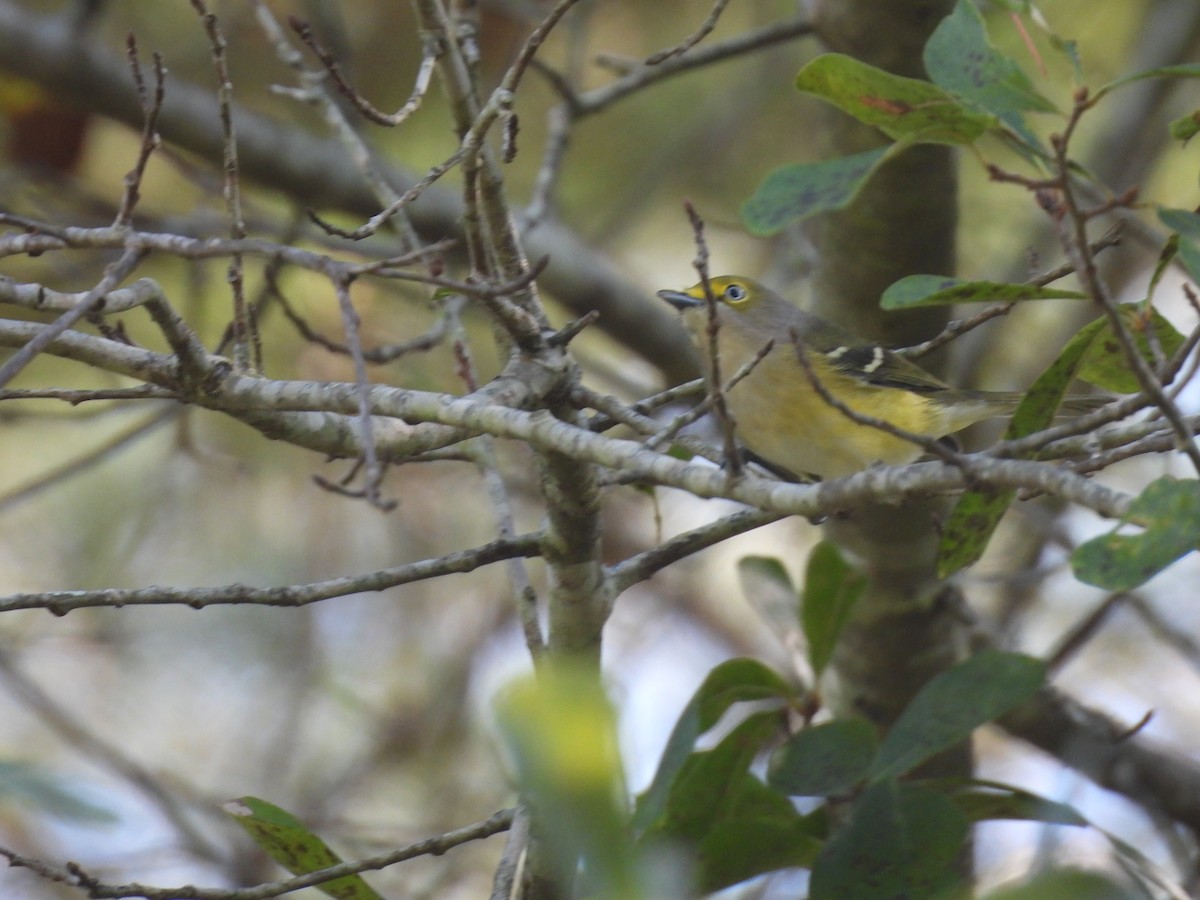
pixel 680 300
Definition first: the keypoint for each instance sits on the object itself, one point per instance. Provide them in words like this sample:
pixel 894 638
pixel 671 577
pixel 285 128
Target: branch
pixel 62 602
pixel 74 875
pixel 258 400
pixel 1102 749
pixel 45 50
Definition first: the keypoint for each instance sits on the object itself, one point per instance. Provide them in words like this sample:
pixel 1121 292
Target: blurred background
pixel 369 716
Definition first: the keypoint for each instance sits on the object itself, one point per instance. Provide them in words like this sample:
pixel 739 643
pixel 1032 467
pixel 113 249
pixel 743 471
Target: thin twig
pixel 114 274
pixel 693 39
pixel 374 472
pixel 600 98
pixel 507 880
pixel 725 421
pixel 1076 245
pixel 62 602
pixel 247 348
pixel 642 566
pixel 151 107
pixel 73 874
pixel 930 445
pixel 431 49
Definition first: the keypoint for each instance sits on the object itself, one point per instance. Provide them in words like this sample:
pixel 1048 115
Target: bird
pixel 782 419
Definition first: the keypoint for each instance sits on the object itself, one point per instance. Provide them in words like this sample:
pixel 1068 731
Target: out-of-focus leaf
pixel 769 589
pixel 831 588
pixel 936 290
pixel 289 843
pixel 1189 255
pixel 901 107
pixel 36 788
pixel 955 703
pixel 824 759
pixel 1182 221
pixel 1185 127
pixel 981 800
pixel 768 569
pixel 901 841
pixel 1168 511
pixel 1186 224
pixel 1063 884
pixel 795 192
pixel 561 732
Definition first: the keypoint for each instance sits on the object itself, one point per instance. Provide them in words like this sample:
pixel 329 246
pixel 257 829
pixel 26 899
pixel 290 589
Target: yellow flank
pixel 781 418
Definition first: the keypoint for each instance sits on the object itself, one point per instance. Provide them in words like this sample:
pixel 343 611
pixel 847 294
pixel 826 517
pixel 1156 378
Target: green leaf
pixel 767 568
pixel 736 825
pixel 794 193
pixel 1186 224
pixel 1185 127
pixel 1187 70
pixel 759 831
pixel 1168 510
pixel 289 843
pixel 1182 221
pixel 900 107
pixel 1063 884
pixel 709 784
pixel 824 759
pixel 971 524
pixel 769 589
pixel 955 703
pixel 1104 364
pixel 33 787
pixel 901 841
pixel 831 589
pixel 731 682
pixel 959 58
pixel 935 290
pixel 981 800
pixel 1189 255
pixel 560 729
pixel 970 527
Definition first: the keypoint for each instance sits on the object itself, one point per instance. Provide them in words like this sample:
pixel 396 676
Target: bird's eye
pixel 735 293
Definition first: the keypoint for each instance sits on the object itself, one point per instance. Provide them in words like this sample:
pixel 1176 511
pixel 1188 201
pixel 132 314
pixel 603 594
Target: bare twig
pixel 957 328
pixel 62 602
pixel 777 32
pixel 247 348
pixel 1078 250
pixel 351 323
pixel 693 39
pixel 642 566
pixel 507 880
pixel 73 874
pixel 431 49
pixel 725 421
pixel 152 106
pixel 932 446
pixel 114 274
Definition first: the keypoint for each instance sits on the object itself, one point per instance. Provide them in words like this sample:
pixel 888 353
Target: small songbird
pixel 782 418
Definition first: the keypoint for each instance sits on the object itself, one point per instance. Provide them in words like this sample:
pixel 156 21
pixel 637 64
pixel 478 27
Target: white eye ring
pixel 735 293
